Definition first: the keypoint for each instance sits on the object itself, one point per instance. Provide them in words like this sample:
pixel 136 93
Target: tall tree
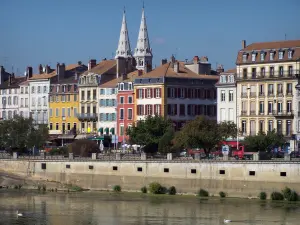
pixel 204 133
pixel 263 142
pixel 148 133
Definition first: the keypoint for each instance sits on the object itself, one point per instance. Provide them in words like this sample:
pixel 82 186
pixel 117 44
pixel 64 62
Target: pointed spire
pixel 124 49
pixel 143 52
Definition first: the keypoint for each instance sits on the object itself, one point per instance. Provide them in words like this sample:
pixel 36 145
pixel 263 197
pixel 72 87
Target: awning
pixel 97 138
pixel 107 130
pixel 80 136
pixel 52 137
pixel 100 130
pixel 66 136
pixel 112 131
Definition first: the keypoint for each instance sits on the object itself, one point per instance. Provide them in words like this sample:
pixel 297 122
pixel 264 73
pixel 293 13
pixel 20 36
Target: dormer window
pixel 245 57
pixel 271 56
pixel 253 57
pixel 280 55
pixel 122 87
pixel 262 56
pixel 290 53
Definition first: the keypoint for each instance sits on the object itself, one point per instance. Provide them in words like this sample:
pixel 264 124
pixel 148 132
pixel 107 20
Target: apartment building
pixel 266 80
pixel 178 90
pixel 63 101
pixel 24 95
pixel 226 92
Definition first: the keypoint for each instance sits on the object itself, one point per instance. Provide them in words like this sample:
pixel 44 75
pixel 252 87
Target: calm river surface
pixel 125 209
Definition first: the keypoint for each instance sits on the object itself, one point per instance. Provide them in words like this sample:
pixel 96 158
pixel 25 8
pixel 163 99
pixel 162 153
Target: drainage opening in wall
pixel 251 173
pixel 115 168
pixel 283 174
pixel 68 166
pixel 139 169
pixel 166 170
pixel 222 171
pixel 91 167
pixel 43 165
pixel 193 171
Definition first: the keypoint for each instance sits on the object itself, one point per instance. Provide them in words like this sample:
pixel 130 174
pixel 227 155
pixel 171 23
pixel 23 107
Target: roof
pixel 267 47
pixel 16 81
pixel 129 77
pixel 230 71
pixel 69 77
pixel 103 67
pixel 166 70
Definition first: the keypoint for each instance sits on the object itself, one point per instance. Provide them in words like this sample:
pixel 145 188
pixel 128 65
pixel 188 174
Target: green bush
pixel 172 190
pixel 44 187
pixel 156 188
pixel 262 195
pixel 277 196
pixel 203 193
pixel 222 194
pixel 144 190
pixel 117 188
pixel 39 187
pixel 286 193
pixel 293 196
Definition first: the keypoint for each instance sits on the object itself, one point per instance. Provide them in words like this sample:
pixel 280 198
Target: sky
pixel 68 31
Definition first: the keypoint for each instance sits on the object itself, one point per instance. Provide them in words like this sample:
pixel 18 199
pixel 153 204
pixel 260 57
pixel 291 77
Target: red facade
pixel 125 112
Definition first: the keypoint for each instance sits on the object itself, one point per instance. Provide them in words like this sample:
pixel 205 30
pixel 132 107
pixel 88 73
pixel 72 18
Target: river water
pixel 139 209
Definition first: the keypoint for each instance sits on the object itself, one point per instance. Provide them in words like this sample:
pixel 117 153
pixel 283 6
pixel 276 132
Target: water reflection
pixel 138 209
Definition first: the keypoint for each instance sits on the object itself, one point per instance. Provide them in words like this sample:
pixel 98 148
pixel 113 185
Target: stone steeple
pixel 143 52
pixel 124 49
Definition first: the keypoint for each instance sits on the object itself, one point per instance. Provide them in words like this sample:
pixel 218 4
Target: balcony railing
pixel 252 94
pixel 261 94
pixel 87 116
pixel 244 95
pixel 283 113
pixel 244 112
pixel 252 112
pixel 266 75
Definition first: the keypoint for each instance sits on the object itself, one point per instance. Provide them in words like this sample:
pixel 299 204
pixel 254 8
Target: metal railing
pixel 268 75
pixel 283 113
pixel 87 116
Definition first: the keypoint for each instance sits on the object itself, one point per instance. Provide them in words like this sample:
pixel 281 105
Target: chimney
pixel 172 59
pixel 140 72
pixel 164 61
pixel 176 67
pixel 196 59
pixel 29 72
pixel 60 70
pixel 10 79
pixel 76 76
pixel 121 65
pixel 47 69
pixel 92 64
pixel 220 69
pixel 79 63
pixel 204 59
pixel 40 69
pixel 244 44
pixel 104 59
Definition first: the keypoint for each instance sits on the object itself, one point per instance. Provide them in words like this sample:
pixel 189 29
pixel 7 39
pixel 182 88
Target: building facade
pixel 266 80
pixel 64 102
pixel 176 91
pixel 226 97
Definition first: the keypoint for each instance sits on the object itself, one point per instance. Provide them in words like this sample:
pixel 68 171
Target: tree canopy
pixel 153 134
pixel 263 142
pixel 19 134
pixel 83 148
pixel 204 133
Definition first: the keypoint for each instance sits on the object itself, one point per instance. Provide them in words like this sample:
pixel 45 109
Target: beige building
pixel 266 79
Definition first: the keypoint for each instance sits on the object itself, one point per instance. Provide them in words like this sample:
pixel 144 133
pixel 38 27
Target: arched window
pixel 15 100
pixel 9 100
pixel 15 113
pixel 32 89
pixel 9 114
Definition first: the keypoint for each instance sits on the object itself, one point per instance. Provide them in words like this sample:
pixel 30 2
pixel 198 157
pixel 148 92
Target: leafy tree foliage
pixel 19 134
pixel 153 133
pixel 204 133
pixel 84 147
pixel 263 142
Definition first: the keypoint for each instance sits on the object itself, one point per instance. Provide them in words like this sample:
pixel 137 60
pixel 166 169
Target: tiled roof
pixel 69 77
pixel 267 47
pixel 166 70
pixel 16 81
pixel 230 71
pixel 105 66
pixel 109 83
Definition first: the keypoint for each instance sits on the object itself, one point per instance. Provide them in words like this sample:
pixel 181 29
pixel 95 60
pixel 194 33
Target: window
pixel 129 114
pixel 231 96
pixel 149 90
pixel 270 125
pixel 22 102
pixel 74 111
pixel 262 71
pixel 253 57
pixel 261 126
pixel 270 89
pixel 57 88
pixel 82 95
pixel 157 92
pixel 94 94
pixel 63 112
pixel 290 54
pixel 182 92
pixel 166 170
pixel 15 100
pixel 45 89
pixel 68 126
pixel 279 89
pixel 271 71
pixel 261 107
pixel 9 100
pixel 139 169
pixel 279 126
pixel 50 112
pixel 102 91
pixel 289 106
pixel 121 114
pixel 157 109
pixel 222 172
pixel 57 112
pixel 261 90
pixel 26 102
pixel 39 89
pixel 50 126
pixel 129 86
pixel 121 130
pixel 193 171
pixel 251 173
pixel 122 87
pixel 130 100
pixel 75 98
pixel 289 88
pixel 288 128
pixel 262 56
pixel 140 93
pixel 140 110
pixel 182 109
pixel 271 56
pixel 270 107
pixel 69 112
pixel 22 90
pixel 122 100
pixel 280 55
pixel 244 57
pixel 290 71
pixel 148 109
pixel 279 107
pixel 244 127
pixel 222 96
pixel 33 101
pixel 26 90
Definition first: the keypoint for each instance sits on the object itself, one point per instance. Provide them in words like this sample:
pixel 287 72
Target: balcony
pixel 252 112
pixel 271 94
pixel 253 94
pixel 244 95
pixel 286 133
pixel 261 94
pixel 87 116
pixel 279 94
pixel 283 113
pixel 268 75
pixel 244 112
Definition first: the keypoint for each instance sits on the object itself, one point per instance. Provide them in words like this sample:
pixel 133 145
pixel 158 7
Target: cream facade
pixel 266 87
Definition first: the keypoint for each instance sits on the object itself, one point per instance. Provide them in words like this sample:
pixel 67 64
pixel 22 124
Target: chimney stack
pixel 40 69
pixel 164 61
pixel 92 64
pixel 60 70
pixel 47 69
pixel 10 79
pixel 140 72
pixel 29 72
pixel 176 67
pixel 220 69
pixel 244 44
pixel 196 59
pixel 121 66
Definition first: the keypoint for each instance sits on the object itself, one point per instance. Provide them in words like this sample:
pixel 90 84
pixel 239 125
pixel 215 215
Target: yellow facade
pixel 63 113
